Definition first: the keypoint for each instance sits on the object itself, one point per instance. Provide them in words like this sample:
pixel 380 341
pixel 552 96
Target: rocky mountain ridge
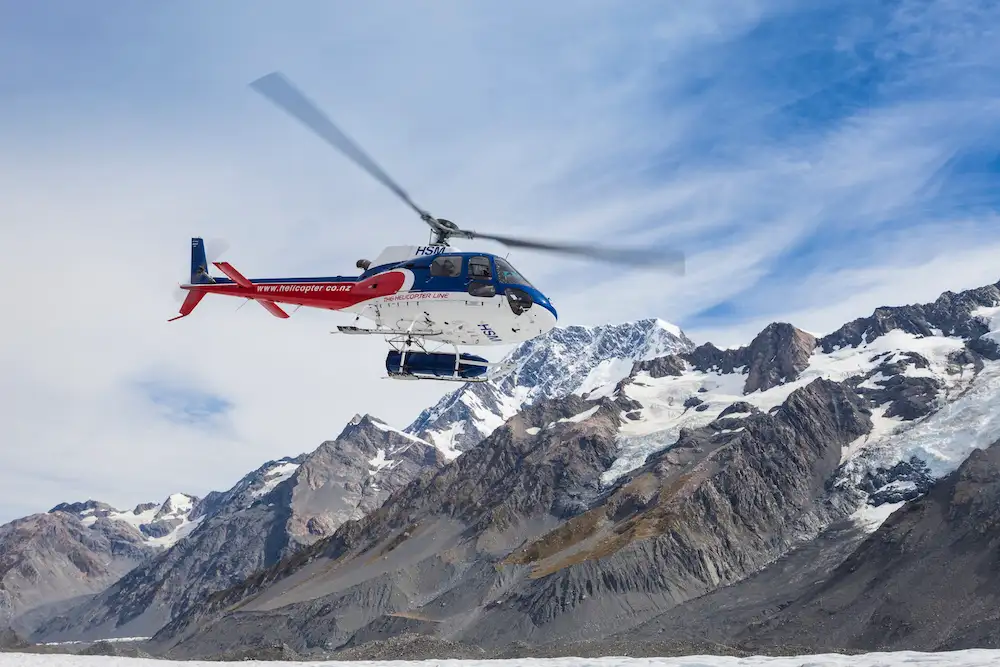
pixel 511 561
pixel 515 538
pixel 609 472
pixel 162 524
pixel 269 514
pixel 322 497
pixel 52 560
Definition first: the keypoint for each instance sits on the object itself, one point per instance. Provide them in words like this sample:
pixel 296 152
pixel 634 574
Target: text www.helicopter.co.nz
pixel 304 288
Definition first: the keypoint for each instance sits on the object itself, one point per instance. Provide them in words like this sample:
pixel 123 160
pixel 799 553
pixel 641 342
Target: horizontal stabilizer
pixel 272 308
pixel 233 274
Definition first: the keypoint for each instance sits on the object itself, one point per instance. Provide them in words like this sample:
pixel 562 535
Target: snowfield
pixel 968 658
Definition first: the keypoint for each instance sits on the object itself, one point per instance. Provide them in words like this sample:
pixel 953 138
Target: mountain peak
pixel 160 524
pixel 566 360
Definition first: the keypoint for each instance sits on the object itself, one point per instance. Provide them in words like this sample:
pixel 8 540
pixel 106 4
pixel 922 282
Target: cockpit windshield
pixel 508 274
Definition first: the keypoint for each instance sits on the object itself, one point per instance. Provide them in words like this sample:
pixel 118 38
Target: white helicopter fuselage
pixel 477 300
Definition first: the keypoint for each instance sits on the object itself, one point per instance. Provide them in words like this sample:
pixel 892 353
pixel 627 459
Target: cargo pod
pixel 437 365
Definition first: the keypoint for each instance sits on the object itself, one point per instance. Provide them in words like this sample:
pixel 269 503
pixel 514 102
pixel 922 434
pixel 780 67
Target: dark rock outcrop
pixel 903 481
pixel 927 580
pixel 777 355
pixel 659 367
pixel 115 649
pixel 950 314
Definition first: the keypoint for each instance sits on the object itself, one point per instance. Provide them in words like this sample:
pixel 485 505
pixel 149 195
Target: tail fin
pixel 199 276
pixel 199 263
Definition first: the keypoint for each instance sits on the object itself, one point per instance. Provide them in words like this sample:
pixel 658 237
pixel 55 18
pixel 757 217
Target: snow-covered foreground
pixel 969 658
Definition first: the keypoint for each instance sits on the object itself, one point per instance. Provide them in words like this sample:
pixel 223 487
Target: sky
pixel 814 161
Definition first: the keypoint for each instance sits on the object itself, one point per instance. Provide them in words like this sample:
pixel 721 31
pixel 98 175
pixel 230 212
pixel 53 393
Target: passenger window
pixel 447 267
pixel 479 268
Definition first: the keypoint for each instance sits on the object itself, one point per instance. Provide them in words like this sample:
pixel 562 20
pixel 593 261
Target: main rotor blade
pixel 669 260
pixel 277 88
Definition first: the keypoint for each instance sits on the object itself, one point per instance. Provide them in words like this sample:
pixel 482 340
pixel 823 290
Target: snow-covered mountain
pixel 563 361
pixel 930 373
pixel 161 524
pixel 648 485
pixel 595 437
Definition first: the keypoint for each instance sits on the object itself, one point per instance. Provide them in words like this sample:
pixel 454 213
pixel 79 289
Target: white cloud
pixel 102 188
pixel 837 297
pixel 525 118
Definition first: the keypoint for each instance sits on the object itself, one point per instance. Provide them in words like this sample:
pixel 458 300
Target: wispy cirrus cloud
pixel 865 145
pixel 815 160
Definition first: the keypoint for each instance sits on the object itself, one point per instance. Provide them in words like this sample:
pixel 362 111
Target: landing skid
pixel 379 331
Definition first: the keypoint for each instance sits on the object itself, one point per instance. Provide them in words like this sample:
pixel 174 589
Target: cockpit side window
pixel 446 267
pixel 479 268
pixel 509 275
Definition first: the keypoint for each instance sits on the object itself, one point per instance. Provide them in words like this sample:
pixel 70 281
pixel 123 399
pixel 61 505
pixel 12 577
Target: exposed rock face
pixel 49 558
pixel 346 478
pixel 904 481
pixel 659 367
pixel 707 512
pixel 949 315
pixel 776 356
pixel 268 515
pixel 563 361
pixel 493 497
pixel 927 580
pixel 716 621
pixel 515 539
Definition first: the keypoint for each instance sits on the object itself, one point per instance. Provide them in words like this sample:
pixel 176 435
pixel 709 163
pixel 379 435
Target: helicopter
pixel 420 298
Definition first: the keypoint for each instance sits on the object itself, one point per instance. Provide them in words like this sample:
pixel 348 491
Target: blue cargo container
pixel 436 364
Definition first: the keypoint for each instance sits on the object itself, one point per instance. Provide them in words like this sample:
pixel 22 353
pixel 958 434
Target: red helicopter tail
pixel 200 278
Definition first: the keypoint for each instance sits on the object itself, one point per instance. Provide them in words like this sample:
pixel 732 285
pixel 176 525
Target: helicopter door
pixel 480 277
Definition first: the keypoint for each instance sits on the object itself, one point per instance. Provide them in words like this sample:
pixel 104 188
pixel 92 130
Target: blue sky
pixel 815 160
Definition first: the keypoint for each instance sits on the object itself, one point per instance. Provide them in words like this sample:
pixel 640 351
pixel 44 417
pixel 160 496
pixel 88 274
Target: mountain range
pixel 621 483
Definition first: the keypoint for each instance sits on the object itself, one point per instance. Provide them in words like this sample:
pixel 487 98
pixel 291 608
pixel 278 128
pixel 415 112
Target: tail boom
pixel 333 293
